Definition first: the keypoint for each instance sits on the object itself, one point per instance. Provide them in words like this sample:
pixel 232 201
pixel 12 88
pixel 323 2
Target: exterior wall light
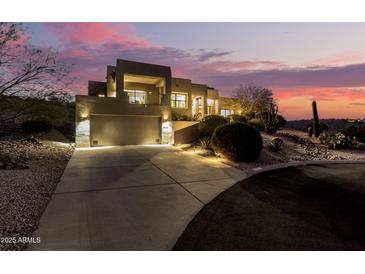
pixel 167 133
pixel 83 133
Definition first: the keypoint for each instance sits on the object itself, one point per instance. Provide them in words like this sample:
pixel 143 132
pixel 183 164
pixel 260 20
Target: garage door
pixel 124 130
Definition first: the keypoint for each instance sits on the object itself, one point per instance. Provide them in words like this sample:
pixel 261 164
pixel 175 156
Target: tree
pixel 28 72
pixel 254 99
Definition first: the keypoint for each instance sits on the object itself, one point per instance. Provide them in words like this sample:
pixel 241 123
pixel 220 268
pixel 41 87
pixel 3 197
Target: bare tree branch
pixel 28 72
pixel 254 98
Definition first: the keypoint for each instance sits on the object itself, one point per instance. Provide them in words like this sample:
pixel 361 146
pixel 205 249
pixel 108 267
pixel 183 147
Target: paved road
pixel 129 198
pixel 313 207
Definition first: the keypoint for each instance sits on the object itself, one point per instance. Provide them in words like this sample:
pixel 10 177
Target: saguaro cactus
pixel 315 119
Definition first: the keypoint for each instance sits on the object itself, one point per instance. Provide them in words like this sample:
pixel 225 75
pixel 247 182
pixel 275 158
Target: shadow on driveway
pixel 316 207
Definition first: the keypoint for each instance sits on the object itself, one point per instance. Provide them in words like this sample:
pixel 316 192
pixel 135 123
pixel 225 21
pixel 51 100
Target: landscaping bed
pixel 27 182
pixel 297 146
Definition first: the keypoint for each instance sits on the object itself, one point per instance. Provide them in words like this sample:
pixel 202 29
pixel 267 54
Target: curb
pixel 257 170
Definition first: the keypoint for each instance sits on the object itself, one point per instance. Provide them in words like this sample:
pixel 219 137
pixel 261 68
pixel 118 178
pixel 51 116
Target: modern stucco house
pixel 136 104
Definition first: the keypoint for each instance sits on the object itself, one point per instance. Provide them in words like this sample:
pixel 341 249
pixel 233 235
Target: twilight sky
pixel 298 61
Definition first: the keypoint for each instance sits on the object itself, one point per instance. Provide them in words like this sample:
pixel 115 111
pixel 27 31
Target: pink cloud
pixel 245 65
pixel 92 46
pixel 321 94
pixel 340 59
pixel 78 53
pixel 96 34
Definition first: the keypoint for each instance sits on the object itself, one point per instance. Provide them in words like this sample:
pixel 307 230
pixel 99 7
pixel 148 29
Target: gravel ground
pixel 26 192
pixel 297 147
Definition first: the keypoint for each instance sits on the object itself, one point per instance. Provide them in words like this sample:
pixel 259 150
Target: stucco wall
pixel 110 81
pixel 87 105
pixel 129 67
pixel 151 91
pixel 185 132
pixel 183 86
pixel 193 90
pixel 230 103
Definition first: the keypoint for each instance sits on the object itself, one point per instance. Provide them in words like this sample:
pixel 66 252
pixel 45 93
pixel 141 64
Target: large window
pixel 136 96
pixel 212 105
pixel 226 112
pixel 179 100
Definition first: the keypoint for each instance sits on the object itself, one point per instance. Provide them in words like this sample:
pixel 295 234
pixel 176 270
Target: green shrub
pixel 237 142
pixel 205 142
pixel 238 118
pixel 276 144
pixel 36 126
pixel 209 123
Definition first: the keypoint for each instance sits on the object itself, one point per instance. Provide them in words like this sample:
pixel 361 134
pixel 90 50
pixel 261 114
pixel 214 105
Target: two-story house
pixel 136 103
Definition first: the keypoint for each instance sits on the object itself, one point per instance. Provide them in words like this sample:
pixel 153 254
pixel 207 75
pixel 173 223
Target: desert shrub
pixel 36 126
pixel 196 117
pixel 237 142
pixel 11 161
pixel 324 138
pixel 340 141
pixel 209 123
pixel 276 144
pixel 268 119
pixel 249 115
pixel 357 131
pixel 205 142
pixel 256 123
pixel 281 121
pixel 238 118
pixel 68 129
pixel 322 128
pixel 181 117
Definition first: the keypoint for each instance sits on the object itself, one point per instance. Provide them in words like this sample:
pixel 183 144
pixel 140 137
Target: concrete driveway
pixel 129 198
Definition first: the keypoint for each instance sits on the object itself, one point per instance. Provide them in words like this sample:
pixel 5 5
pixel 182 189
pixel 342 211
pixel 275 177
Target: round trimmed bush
pixel 209 123
pixel 237 142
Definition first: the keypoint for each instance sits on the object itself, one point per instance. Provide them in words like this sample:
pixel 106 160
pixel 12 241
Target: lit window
pixel 212 106
pixel 136 96
pixel 226 112
pixel 101 95
pixel 179 100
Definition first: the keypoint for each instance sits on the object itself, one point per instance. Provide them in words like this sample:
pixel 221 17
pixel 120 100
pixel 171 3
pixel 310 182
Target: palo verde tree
pixel 30 77
pixel 254 99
